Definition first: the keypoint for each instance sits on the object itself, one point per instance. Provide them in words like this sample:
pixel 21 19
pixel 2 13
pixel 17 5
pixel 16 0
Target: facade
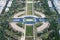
pixel 8 5
pixel 2 5
pixel 57 5
pixel 49 3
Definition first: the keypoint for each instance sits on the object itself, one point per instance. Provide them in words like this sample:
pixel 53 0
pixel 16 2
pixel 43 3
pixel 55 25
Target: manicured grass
pixel 29 9
pixel 21 15
pixel 29 0
pixel 38 24
pixel 29 18
pixel 29 30
pixel 37 15
pixel 20 24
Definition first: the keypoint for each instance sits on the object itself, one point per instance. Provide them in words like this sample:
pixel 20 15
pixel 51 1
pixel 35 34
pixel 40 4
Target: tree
pixel 53 26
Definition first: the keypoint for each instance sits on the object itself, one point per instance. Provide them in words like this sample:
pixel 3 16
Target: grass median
pixel 29 30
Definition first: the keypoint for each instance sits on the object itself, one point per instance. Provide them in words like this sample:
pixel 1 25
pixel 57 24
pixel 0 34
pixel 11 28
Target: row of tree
pixel 52 33
pixel 5 16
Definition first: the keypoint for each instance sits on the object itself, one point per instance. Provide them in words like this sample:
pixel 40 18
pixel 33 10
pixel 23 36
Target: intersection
pixel 29 20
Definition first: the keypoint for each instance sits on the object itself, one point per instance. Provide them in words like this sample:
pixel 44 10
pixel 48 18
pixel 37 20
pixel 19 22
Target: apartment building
pixel 2 5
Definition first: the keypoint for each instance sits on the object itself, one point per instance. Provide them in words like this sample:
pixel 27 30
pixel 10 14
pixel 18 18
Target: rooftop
pixel 49 3
pixel 57 5
pixel 2 5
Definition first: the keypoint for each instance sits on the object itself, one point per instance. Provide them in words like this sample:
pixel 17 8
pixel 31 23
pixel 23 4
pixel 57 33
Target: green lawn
pixel 29 30
pixel 37 15
pixel 20 24
pixel 32 19
pixel 29 0
pixel 29 9
pixel 38 24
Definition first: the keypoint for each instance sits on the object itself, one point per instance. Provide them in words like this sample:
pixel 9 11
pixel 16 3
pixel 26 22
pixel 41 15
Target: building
pixel 49 3
pixel 57 5
pixel 8 5
pixel 2 5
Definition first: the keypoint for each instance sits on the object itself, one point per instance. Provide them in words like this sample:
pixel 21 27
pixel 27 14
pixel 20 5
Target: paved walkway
pixel 30 1
pixel 13 24
pixel 18 14
pixel 40 28
pixel 41 14
pixel 16 27
pixel 44 25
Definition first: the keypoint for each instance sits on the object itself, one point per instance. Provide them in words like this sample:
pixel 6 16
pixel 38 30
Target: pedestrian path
pixel 44 25
pixel 28 19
